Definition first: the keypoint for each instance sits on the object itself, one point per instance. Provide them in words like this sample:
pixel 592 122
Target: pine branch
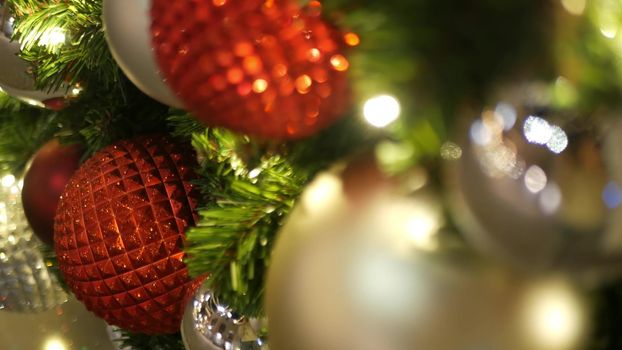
pixel 243 211
pixel 137 341
pixel 82 57
pixel 24 129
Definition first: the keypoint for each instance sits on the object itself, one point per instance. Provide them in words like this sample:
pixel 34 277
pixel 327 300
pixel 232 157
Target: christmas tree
pixel 296 174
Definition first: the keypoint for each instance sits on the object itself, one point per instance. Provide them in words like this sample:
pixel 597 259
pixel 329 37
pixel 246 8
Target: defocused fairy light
pixel 609 32
pixel 352 39
pixel 8 180
pixel 322 193
pixel 550 198
pixel 422 227
pixel 480 133
pixel 575 7
pixel 380 111
pixel 53 37
pixel 554 317
pixel 507 113
pixel 451 151
pixel 537 130
pixel 558 141
pixel 535 179
pixel 54 344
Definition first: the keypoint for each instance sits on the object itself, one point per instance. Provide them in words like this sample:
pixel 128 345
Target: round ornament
pixel 127 28
pixel 367 272
pixel 119 233
pixel 25 283
pixel 46 178
pixel 268 69
pixel 539 186
pixel 211 325
pixel 15 79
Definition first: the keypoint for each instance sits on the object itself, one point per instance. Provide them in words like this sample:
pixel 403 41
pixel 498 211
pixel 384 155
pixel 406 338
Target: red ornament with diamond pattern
pixel 267 68
pixel 119 233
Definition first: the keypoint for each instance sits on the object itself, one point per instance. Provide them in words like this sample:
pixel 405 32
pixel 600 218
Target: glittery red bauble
pixel 264 68
pixel 119 233
pixel 50 171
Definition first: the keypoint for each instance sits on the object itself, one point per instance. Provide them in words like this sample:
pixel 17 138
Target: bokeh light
pixel 380 111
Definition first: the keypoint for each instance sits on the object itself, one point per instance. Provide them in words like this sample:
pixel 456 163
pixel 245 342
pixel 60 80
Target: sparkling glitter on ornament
pixel 265 68
pixel 210 324
pixel 119 233
pixel 25 283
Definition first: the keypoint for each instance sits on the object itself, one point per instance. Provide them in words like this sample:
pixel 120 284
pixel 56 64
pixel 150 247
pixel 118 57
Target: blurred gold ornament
pixel 362 265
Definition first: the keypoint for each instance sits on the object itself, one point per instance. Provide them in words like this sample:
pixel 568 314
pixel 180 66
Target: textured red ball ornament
pixel 265 68
pixel 46 178
pixel 119 233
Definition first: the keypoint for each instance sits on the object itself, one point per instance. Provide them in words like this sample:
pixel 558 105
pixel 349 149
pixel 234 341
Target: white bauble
pixel 127 26
pixel 358 266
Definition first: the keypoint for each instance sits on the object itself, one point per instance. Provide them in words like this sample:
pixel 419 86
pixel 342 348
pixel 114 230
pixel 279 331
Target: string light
pixel 380 111
pixel 54 344
pixel 52 37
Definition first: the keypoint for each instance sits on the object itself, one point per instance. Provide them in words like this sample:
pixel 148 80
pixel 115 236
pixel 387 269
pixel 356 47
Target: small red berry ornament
pixel 265 68
pixel 119 233
pixel 46 178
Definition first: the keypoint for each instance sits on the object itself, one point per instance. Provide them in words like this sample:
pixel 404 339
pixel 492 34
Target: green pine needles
pixel 248 200
pixel 65 42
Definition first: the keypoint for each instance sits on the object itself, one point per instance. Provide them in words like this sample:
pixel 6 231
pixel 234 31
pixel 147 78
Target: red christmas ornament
pixel 56 104
pixel 264 68
pixel 119 233
pixel 50 171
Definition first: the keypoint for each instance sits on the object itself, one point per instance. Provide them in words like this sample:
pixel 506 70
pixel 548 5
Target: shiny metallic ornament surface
pixel 208 324
pixel 26 285
pixel 538 185
pixel 15 79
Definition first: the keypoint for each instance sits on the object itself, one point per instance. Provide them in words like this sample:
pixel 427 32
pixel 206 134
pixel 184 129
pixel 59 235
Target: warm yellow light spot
pixel 422 228
pixel 260 85
pixel 339 63
pixel 382 110
pixel 303 83
pixel 314 55
pixel 8 181
pixel 575 7
pixel 554 317
pixel 351 39
pixel 54 344
pixel 52 37
pixel 219 2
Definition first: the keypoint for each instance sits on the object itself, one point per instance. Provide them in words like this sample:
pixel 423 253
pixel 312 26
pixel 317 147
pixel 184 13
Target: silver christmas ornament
pixel 25 283
pixel 208 324
pixel 127 26
pixel 15 79
pixel 539 186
